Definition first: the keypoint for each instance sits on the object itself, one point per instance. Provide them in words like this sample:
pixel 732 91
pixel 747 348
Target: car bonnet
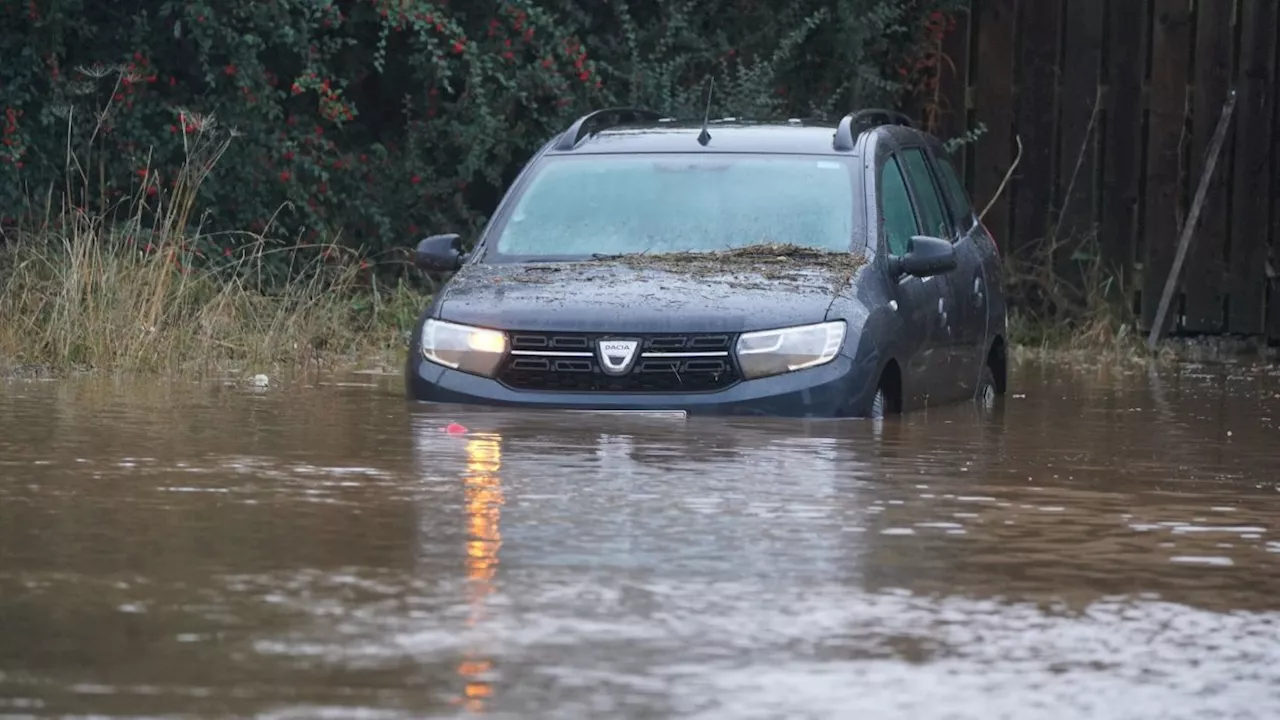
pixel 622 296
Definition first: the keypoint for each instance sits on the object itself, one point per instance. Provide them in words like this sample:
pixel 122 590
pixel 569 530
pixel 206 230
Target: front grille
pixel 567 362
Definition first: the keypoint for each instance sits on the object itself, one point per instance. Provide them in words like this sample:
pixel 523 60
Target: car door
pixel 976 265
pixel 965 323
pixel 920 302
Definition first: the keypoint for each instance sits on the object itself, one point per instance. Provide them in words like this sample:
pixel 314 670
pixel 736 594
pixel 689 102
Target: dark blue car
pixel 790 268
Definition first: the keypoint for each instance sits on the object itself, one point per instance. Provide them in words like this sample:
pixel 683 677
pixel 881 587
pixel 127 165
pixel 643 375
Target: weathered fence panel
pixel 1253 187
pixel 1032 186
pixel 1202 281
pixel 953 118
pixel 1166 125
pixel 1115 102
pixel 994 30
pixel 1078 128
pixel 1120 198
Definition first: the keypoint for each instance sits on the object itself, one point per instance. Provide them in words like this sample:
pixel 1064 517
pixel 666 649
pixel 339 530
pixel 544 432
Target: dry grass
pixel 81 298
pixel 1081 319
pixel 120 289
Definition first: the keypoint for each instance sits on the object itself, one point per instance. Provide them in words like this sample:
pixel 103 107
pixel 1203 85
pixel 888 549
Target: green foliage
pixel 378 121
pixel 971 135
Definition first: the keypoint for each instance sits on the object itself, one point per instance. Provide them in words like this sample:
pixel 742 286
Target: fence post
pixel 1167 107
pixel 1251 233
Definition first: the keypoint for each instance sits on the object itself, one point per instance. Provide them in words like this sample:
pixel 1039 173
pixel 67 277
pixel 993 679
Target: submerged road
pixel 1107 547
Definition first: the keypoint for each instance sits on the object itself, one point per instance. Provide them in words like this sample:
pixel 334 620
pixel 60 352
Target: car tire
pixel 986 394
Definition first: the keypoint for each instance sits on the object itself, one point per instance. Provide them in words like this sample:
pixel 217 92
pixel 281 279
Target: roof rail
pixel 870 117
pixel 570 138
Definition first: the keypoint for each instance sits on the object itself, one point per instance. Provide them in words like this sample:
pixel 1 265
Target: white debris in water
pixel 259 381
pixel 1235 530
pixel 1203 560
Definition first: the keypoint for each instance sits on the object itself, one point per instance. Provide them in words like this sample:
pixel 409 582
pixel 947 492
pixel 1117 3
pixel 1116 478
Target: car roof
pixel 665 135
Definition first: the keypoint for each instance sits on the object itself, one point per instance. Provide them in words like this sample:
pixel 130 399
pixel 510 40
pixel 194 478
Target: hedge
pixel 375 122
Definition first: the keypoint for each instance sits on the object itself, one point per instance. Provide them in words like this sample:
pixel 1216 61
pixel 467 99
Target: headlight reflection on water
pixel 483 502
pixel 483 488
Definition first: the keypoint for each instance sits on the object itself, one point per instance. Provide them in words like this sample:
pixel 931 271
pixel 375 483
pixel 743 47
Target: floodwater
pixel 1107 547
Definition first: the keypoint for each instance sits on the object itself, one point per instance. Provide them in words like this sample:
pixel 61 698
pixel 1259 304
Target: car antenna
pixel 704 137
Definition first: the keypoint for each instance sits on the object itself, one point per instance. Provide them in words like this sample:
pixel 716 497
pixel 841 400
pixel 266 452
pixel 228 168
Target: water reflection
pixel 483 487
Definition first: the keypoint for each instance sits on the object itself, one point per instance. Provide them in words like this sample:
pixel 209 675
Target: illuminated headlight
pixel 773 352
pixel 473 350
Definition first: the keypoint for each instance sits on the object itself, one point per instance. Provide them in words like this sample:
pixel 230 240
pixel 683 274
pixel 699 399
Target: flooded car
pixel 793 268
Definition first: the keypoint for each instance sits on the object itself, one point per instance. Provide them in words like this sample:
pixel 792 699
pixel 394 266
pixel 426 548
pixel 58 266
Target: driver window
pixel 897 217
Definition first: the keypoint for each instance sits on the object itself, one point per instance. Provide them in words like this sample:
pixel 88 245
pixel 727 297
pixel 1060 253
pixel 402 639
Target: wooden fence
pixel 1114 102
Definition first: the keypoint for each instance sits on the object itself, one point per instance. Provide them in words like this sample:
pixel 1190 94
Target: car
pixel 791 268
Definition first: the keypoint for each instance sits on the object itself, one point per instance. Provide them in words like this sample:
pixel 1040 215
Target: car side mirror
pixel 925 257
pixel 439 253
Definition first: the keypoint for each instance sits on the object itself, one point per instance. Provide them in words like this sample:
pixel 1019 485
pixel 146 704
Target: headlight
pixel 474 350
pixel 772 352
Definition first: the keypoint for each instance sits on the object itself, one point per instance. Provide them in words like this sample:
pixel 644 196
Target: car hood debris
pixel 759 288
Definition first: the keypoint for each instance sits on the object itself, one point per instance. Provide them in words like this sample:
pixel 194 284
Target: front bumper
pixel 841 388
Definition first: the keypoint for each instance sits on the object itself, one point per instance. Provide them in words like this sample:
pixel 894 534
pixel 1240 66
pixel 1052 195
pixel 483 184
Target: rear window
pixel 957 199
pixel 579 206
pixel 933 212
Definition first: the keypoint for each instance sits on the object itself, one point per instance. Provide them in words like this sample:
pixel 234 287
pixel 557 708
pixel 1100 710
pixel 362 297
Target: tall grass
pixel 123 287
pixel 1081 315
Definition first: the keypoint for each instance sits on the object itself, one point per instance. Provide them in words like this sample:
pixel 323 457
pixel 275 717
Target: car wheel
pixel 986 393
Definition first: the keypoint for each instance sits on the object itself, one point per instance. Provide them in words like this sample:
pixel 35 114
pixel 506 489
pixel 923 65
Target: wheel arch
pixel 998 361
pixel 890 380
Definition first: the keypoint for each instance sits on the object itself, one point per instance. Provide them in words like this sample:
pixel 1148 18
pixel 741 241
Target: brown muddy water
pixel 1108 547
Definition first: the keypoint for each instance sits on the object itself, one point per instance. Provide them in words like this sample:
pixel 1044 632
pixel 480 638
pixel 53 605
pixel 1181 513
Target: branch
pixel 1005 181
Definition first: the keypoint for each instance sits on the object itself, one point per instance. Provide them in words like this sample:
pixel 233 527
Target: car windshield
pixel 609 205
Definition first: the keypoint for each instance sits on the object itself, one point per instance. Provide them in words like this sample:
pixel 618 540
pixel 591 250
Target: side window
pixel 932 210
pixel 957 198
pixel 896 214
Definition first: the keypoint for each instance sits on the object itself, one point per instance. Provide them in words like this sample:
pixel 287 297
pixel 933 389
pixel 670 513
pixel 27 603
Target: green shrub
pixel 374 122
